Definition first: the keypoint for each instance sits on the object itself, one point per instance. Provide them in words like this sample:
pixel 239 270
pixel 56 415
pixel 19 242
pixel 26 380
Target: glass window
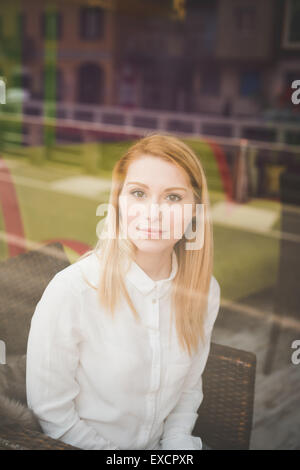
pixel 91 23
pixel 250 83
pixel 291 35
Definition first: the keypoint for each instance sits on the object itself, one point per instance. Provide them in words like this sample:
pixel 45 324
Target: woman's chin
pixel 152 245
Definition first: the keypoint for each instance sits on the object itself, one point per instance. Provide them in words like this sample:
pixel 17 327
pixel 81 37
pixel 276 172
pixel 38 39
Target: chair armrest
pixel 25 439
pixel 226 413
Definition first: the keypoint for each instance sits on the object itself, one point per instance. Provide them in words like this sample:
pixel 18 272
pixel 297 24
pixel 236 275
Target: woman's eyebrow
pixel 167 189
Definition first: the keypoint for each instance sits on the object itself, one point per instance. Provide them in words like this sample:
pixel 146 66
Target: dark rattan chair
pixel 225 415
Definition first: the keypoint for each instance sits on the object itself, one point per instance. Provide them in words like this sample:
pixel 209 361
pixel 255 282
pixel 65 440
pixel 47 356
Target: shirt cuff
pixel 181 442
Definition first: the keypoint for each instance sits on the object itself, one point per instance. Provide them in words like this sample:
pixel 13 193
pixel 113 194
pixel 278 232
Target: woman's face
pixel 156 204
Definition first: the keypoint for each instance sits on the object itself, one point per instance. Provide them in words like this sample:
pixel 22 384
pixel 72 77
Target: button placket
pixel 154 298
pixel 154 335
pixel 155 302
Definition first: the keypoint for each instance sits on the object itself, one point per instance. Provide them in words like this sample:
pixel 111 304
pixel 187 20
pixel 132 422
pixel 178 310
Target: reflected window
pixel 291 33
pixel 250 83
pixel 91 23
pixel 90 84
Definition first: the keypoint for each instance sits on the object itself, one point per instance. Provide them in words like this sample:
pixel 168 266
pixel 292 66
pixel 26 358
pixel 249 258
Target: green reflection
pixel 11 71
pixel 51 30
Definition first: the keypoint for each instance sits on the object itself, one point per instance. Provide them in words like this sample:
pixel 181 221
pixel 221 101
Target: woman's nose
pixel 153 211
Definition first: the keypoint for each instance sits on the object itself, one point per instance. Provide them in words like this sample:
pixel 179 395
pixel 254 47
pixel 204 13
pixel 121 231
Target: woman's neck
pixel 156 265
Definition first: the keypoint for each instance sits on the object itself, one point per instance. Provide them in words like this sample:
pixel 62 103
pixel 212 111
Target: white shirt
pixel 97 383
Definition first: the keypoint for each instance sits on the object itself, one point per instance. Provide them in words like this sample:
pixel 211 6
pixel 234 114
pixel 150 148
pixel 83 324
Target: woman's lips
pixel 149 230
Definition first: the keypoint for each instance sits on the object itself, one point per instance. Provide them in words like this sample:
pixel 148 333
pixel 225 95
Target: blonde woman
pixel 120 339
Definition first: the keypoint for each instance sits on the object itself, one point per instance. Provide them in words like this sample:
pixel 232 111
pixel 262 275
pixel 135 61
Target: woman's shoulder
pixel 62 296
pixel 74 275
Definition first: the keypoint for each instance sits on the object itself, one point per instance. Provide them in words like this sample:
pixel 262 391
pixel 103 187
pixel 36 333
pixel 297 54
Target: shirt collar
pixel 137 276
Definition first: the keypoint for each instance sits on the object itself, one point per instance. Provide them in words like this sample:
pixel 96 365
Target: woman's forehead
pixel 153 170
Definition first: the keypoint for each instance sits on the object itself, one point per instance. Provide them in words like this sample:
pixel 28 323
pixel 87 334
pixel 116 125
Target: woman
pixel 119 340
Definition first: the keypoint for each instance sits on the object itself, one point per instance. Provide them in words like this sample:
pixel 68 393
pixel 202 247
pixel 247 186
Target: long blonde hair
pixel 190 286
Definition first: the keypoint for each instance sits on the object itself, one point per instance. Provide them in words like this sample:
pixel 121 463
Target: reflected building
pixel 80 40
pixel 227 58
pixel 230 58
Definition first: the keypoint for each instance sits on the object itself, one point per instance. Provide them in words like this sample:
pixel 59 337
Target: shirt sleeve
pixel 52 359
pixel 180 422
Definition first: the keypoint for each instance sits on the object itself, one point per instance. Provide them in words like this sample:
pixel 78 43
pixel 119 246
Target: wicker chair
pixel 226 413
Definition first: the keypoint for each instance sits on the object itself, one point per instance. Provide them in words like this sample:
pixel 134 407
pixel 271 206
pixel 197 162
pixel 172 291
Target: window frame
pixel 286 43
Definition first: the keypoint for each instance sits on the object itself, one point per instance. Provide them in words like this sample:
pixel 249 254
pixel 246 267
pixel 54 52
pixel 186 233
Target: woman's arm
pixel 52 359
pixel 180 422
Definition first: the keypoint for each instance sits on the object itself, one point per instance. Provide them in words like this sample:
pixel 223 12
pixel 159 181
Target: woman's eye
pixel 137 193
pixel 175 197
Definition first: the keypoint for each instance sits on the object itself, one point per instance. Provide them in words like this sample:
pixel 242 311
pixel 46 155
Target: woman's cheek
pixel 134 213
pixel 176 227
